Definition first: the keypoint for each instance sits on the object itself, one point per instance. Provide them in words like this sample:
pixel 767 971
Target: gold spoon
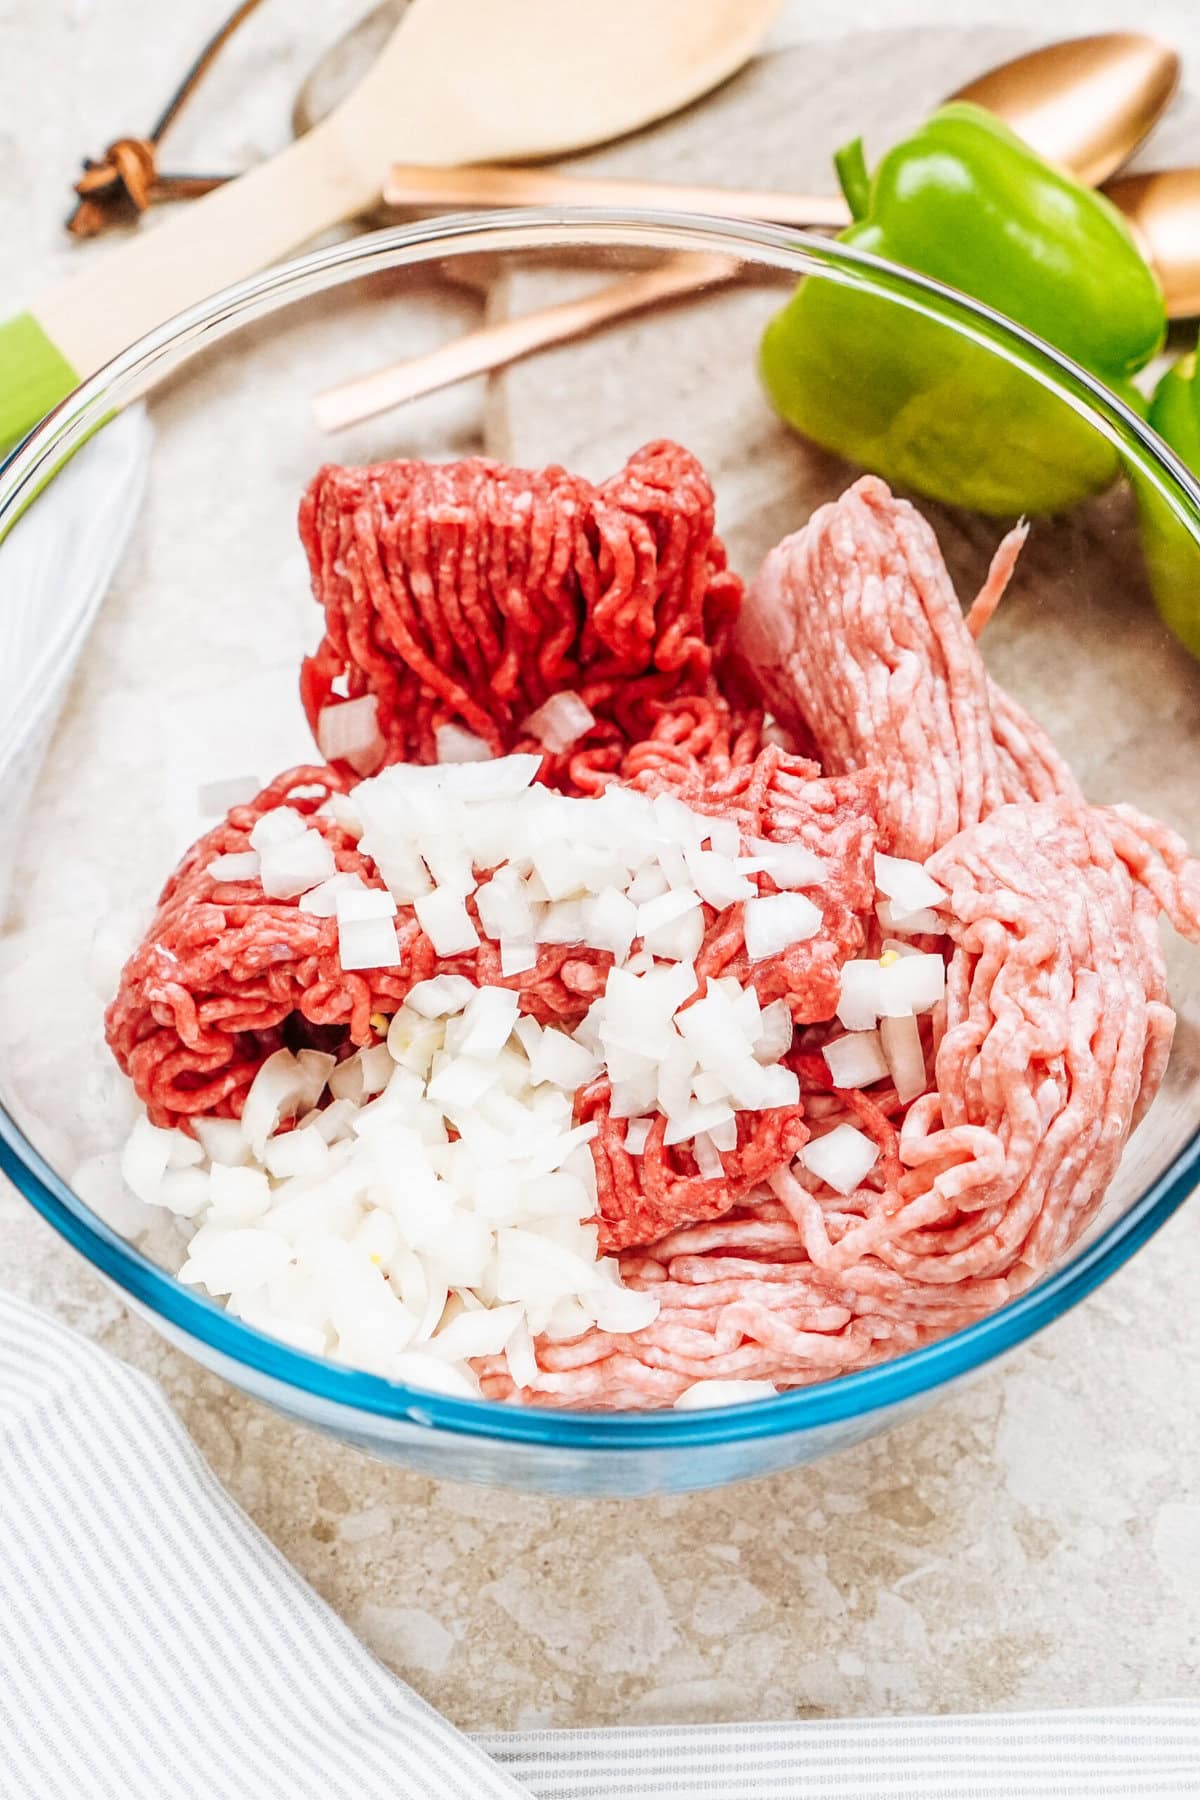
pixel 1125 83
pixel 1163 209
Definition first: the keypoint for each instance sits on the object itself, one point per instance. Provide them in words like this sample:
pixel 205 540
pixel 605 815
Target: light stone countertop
pixel 1033 1541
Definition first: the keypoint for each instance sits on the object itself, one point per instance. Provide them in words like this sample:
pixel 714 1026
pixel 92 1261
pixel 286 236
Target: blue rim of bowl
pixel 846 1397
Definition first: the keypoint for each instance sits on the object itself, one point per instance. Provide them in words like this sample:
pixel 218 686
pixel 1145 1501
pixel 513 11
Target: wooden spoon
pixel 457 81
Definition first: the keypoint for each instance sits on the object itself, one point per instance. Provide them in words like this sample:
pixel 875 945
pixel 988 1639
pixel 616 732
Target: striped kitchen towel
pixel 155 1646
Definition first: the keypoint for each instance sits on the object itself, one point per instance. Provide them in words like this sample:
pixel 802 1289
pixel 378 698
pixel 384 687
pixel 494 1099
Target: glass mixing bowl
pixel 190 676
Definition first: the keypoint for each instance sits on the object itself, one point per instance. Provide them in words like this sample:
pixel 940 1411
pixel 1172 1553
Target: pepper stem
pixel 851 165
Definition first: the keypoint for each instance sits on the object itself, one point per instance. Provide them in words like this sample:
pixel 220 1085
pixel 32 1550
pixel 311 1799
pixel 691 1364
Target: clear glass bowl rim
pixel 158 353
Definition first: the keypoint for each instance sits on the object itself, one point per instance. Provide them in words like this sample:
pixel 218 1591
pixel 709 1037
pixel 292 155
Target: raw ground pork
pixel 471 593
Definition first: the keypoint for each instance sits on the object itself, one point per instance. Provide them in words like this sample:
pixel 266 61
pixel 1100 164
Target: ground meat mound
pixel 471 592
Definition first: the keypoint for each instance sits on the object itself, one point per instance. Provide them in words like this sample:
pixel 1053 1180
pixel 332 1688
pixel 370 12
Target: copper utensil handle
pixel 494 346
pixel 481 184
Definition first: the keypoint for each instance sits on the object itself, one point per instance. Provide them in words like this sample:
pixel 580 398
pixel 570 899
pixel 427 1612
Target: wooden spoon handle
pixel 417 184
pixel 494 346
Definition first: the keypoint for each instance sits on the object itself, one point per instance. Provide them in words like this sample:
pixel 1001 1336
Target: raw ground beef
pixel 226 975
pixel 471 592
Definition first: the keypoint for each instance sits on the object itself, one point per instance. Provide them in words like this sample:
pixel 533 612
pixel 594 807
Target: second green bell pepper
pixel 966 201
pixel 1171 553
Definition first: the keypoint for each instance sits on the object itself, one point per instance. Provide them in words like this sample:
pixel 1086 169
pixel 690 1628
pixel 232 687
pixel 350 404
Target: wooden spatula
pixel 458 81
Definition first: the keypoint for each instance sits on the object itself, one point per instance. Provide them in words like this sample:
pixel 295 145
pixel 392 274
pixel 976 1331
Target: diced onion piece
pixel 776 921
pixel 276 827
pixel 665 909
pixel 923 920
pixel 276 1092
pixel 562 923
pixel 861 998
pixel 322 900
pixel 693 1119
pixel 346 1082
pixel 185 1192
pixel 222 1140
pixel 779 1086
pixel 716 878
pixel 455 744
pixel 724 837
pixel 516 956
pixel 775 1032
pixel 724 1137
pixel 788 865
pixel 856 1060
pixel 144 1160
pixel 504 907
pixel 680 940
pixel 906 884
pixel 440 996
pixel 722 1393
pixel 559 1059
pixel 368 944
pixel 622 1309
pixel 842 1158
pixel 901 1042
pixel 498 779
pixel 462 1080
pixel 348 731
pixel 708 1160
pixel 353 903
pixel 519 1355
pixel 488 1021
pixel 483 1331
pixel 378 1068
pixel 292 867
pixel 912 984
pixel 296 1153
pixel 236 865
pixel 444 919
pixel 637 1132
pixel 610 922
pixel 215 798
pixel 419 1369
pixel 560 721
pixel 238 1196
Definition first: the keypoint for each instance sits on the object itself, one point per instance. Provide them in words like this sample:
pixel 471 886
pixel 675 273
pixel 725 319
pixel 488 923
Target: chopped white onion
pixel 351 903
pixel 295 865
pixel 776 921
pixel 788 865
pixel 348 731
pixel 276 827
pixel 856 1060
pixel 907 885
pixel 236 865
pixel 322 900
pixel 560 721
pixel 901 1041
pixel 455 744
pixel 923 920
pixel 722 1393
pixel 440 996
pixel 842 1158
pixel 275 1093
pixel 445 921
pixel 517 956
pixel 368 944
pixel 637 1132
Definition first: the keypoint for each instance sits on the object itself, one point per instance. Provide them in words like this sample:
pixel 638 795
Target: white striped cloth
pixel 155 1646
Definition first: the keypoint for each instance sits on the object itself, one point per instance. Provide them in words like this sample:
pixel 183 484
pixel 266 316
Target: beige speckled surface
pixel 1033 1541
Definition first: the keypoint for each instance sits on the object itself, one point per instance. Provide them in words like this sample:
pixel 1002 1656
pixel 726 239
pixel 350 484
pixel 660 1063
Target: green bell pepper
pixel 1171 553
pixel 965 201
